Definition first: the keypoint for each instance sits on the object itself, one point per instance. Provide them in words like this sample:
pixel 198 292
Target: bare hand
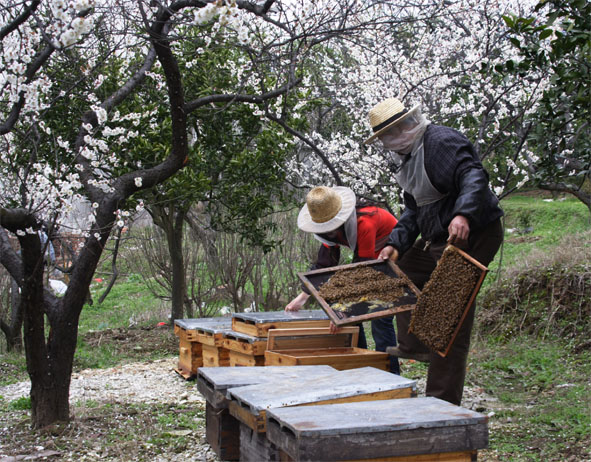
pixel 459 230
pixel 388 252
pixel 333 329
pixel 297 302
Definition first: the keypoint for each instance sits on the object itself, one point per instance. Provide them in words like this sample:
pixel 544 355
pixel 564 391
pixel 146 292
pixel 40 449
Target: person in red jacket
pixel 335 218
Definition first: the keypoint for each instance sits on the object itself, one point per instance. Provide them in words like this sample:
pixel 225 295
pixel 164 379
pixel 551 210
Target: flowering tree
pixel 557 40
pixel 449 57
pixel 74 92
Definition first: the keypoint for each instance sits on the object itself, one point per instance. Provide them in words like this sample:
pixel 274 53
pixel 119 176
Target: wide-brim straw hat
pixel 386 114
pixel 326 209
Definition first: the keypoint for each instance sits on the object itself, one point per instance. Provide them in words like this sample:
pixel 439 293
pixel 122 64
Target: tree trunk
pixel 174 236
pixel 171 221
pixel 13 332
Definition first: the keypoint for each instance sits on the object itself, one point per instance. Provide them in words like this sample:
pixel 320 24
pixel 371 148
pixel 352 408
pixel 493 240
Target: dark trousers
pixel 445 378
pixel 384 335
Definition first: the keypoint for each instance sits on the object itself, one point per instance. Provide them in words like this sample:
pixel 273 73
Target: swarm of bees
pixel 443 300
pixel 362 284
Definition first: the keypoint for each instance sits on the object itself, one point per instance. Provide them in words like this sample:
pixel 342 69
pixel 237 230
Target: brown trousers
pixel 445 378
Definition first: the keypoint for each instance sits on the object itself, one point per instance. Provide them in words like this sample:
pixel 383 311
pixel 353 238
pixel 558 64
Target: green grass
pixel 551 222
pixel 544 394
pixel 128 303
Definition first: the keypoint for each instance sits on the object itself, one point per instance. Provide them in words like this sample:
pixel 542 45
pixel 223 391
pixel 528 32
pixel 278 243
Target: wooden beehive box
pixel 222 430
pixel 190 334
pixel 418 429
pixel 244 350
pixel 446 299
pixel 258 324
pixel 363 310
pixel 249 404
pixel 313 346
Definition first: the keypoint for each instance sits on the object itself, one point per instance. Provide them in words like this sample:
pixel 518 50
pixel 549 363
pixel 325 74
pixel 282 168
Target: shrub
pixel 543 293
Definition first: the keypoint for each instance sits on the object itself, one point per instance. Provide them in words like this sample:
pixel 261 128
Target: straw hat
pixel 386 114
pixel 326 209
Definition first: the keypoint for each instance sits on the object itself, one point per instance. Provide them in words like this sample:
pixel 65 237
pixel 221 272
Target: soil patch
pixel 135 342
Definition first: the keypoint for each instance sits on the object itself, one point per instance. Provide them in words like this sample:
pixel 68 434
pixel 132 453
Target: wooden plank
pixel 258 324
pixel 250 403
pixel 380 430
pixel 190 358
pixel 463 456
pixel 215 356
pixel 214 382
pixel 244 359
pixel 339 358
pixel 254 447
pixel 203 330
pixel 222 432
pixel 349 334
pixel 243 343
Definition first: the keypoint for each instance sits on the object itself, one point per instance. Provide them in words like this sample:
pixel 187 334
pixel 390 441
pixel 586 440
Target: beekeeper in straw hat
pixel 336 218
pixel 447 199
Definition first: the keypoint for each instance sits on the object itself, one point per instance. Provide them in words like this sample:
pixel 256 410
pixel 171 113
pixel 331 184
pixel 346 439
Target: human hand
pixel 388 252
pixel 333 329
pixel 459 230
pixel 297 302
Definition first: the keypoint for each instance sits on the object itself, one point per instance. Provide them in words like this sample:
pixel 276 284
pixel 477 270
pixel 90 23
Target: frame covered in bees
pixel 445 301
pixel 350 294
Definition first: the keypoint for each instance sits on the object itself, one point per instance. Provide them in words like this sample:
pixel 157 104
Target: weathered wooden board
pixel 339 358
pixel 190 358
pixel 208 331
pixel 214 356
pixel 254 447
pixel 244 343
pixel 250 403
pixel 383 430
pixel 222 432
pixel 222 429
pixel 190 351
pixel 214 382
pixel 258 324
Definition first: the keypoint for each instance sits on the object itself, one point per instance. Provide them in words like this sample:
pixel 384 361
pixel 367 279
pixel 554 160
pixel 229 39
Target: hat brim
pixel 373 137
pixel 348 200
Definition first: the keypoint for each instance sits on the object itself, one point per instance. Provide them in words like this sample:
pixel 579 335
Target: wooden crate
pixel 222 429
pixel 190 351
pixel 245 350
pixel 314 346
pixel 418 429
pixel 249 404
pixel 258 324
pixel 315 278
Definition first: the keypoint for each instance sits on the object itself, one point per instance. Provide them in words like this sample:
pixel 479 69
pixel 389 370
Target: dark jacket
pixel 453 169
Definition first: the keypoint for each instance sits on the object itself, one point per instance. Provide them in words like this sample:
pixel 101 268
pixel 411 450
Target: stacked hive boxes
pixel 237 341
